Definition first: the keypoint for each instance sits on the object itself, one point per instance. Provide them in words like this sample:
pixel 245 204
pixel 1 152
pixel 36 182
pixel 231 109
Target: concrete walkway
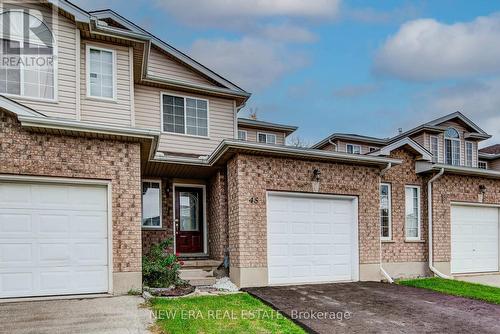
pixel 120 315
pixel 370 307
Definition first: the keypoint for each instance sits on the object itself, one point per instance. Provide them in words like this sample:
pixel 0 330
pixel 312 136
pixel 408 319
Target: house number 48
pixel 254 200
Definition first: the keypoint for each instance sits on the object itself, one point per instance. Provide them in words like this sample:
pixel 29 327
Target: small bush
pixel 160 269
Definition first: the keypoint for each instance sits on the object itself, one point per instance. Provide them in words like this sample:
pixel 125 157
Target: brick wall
pixel 251 176
pixel 25 153
pixel 456 188
pixel 398 249
pixel 217 215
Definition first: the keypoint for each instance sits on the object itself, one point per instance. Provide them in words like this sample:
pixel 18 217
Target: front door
pixel 189 220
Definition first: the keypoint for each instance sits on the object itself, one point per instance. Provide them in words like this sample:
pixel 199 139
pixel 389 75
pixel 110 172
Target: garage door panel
pixel 311 239
pixel 474 239
pixel 57 244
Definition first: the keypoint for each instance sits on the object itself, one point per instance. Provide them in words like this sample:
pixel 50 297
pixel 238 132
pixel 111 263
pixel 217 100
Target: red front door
pixel 189 220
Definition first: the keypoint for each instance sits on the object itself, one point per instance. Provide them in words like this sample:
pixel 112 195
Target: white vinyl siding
pixel 353 149
pixel 108 111
pixel 266 138
pixel 147 116
pixel 412 212
pixel 101 73
pixel 385 211
pixel 164 67
pixel 251 134
pixel 66 87
pixel 151 204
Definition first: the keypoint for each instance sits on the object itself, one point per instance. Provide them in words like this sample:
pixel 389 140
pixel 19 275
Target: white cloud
pixel 479 101
pixel 218 12
pixel 375 16
pixel 250 62
pixel 426 49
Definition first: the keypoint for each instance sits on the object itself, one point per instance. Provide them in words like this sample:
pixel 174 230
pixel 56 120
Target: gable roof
pixel 386 150
pixel 352 137
pixel 253 123
pixel 17 108
pixel 492 149
pixel 165 47
pixel 462 117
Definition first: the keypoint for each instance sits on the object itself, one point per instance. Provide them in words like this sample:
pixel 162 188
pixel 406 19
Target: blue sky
pixel 327 66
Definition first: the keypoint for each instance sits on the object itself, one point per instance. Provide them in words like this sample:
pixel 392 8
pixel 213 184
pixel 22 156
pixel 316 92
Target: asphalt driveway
pixel 370 307
pixel 120 315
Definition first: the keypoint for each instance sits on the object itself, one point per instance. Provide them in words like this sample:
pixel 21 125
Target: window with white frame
pixel 101 73
pixel 266 138
pixel 482 164
pixel 354 149
pixel 151 204
pixel 469 149
pixel 242 135
pixel 385 211
pixel 412 212
pixel 435 148
pixel 28 75
pixel 452 146
pixel 185 115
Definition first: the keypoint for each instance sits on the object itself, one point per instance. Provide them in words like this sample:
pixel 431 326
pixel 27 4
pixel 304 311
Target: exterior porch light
pixel 315 180
pixel 482 191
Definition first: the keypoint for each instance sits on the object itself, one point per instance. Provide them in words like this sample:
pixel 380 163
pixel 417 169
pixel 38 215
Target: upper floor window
pixel 482 164
pixel 27 71
pixel 435 148
pixel 101 73
pixel 412 209
pixel 185 115
pixel 452 146
pixel 354 149
pixel 242 135
pixel 267 138
pixel 151 204
pixel 385 211
pixel 469 149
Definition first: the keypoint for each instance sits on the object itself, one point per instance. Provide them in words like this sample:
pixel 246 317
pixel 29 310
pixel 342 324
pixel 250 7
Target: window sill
pixel 388 241
pixel 33 99
pixel 101 99
pixel 184 135
pixel 144 228
pixel 414 241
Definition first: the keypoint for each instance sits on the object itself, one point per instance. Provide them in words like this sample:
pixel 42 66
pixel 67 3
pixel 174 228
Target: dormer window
pixel 452 146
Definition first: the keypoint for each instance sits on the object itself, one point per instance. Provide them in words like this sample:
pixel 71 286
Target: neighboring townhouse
pixel 263 132
pixel 125 141
pixel 440 183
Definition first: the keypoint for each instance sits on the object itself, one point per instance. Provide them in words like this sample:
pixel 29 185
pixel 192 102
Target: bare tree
pixel 297 141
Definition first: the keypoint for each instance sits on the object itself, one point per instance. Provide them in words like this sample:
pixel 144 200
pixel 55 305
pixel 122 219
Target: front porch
pixel 189 205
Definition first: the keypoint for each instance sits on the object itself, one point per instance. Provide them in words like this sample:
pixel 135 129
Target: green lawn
pixel 456 288
pixel 233 313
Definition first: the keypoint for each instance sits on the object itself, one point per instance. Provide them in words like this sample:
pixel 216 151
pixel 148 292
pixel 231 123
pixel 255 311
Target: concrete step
pixel 201 281
pixel 206 264
pixel 197 277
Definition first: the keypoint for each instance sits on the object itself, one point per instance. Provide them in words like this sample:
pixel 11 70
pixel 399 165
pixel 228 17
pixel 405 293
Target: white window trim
pixel 267 135
pixel 418 237
pixel 438 148
pixel 246 134
pixel 185 120
pixel 87 73
pixel 483 162
pixel 472 154
pixel 390 212
pixel 55 70
pixel 353 145
pixel 161 205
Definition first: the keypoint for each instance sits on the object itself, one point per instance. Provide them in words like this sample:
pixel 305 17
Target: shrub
pixel 160 269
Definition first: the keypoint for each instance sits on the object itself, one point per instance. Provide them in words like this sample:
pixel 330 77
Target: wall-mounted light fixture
pixel 482 191
pixel 315 180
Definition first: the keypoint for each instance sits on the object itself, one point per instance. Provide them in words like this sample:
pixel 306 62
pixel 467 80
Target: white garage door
pixel 474 239
pixel 53 239
pixel 311 239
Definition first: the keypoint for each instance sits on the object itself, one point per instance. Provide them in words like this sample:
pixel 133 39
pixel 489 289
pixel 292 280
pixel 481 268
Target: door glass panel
pixel 189 217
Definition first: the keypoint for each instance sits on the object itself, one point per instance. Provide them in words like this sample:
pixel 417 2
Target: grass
pixel 233 313
pixel 456 288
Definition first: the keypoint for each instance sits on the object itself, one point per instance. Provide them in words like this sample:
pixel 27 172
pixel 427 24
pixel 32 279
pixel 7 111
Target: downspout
pixel 429 212
pixel 333 144
pixel 382 270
